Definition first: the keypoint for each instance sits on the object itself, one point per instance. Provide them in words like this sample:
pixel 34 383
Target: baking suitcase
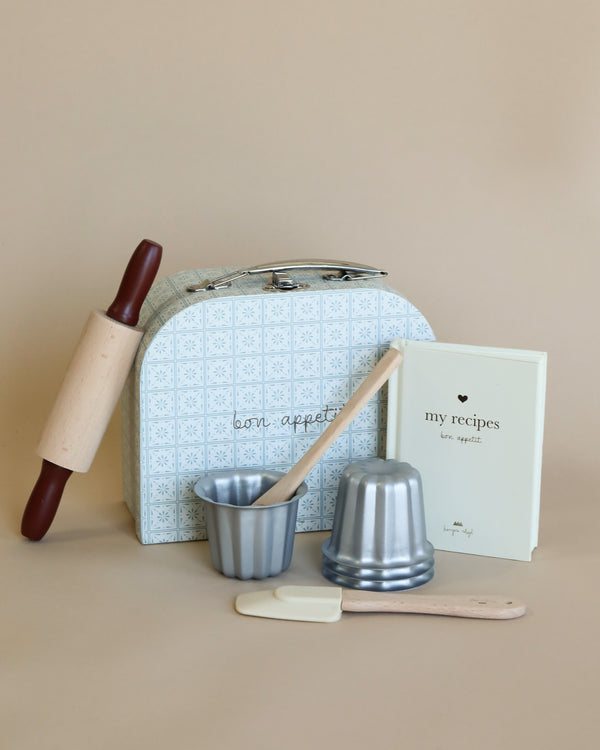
pixel 244 368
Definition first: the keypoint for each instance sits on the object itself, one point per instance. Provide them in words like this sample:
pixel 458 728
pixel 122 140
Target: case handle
pixel 337 271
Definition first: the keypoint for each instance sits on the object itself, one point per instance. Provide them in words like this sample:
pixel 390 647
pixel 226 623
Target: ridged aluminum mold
pixel 247 541
pixel 378 540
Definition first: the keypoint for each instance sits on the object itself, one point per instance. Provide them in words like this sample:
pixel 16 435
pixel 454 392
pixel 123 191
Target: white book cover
pixel 471 420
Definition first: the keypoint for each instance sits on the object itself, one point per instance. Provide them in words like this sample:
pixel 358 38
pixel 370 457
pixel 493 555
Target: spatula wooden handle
pixel 456 605
pixel 288 484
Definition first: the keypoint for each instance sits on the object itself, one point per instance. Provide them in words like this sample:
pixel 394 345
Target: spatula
pixel 288 484
pixel 326 604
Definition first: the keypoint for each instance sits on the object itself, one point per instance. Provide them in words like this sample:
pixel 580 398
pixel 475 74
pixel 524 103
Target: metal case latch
pixel 283 282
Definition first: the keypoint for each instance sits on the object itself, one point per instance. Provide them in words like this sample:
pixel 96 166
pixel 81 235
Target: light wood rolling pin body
pixel 90 390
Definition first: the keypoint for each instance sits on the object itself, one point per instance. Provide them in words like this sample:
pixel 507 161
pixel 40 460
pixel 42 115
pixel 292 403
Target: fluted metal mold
pixel 378 540
pixel 247 541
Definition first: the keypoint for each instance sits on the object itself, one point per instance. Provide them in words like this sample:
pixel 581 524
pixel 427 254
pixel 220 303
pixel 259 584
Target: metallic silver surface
pixel 378 540
pixel 247 541
pixel 283 282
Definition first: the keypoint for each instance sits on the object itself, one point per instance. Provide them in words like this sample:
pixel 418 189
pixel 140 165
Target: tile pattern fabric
pixel 251 381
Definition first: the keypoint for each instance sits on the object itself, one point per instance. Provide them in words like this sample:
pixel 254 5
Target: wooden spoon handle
pixel 456 605
pixel 288 484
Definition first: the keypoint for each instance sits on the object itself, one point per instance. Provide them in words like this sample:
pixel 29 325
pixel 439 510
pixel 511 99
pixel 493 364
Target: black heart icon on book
pixel 462 399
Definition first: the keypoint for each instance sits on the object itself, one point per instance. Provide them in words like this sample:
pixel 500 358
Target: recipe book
pixel 470 419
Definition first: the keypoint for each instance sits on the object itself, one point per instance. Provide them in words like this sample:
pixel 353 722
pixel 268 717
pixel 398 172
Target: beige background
pixel 456 144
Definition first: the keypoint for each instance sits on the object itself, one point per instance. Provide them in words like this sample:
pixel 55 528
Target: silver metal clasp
pixel 352 275
pixel 281 281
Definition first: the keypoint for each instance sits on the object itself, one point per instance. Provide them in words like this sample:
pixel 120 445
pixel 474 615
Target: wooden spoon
pixel 285 488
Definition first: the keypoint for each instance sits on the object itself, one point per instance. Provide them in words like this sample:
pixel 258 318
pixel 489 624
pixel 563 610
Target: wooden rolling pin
pixel 285 488
pixel 90 390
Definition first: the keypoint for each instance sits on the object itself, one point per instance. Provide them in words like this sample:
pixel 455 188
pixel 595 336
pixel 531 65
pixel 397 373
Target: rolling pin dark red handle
pixel 44 500
pixel 136 282
pixel 90 390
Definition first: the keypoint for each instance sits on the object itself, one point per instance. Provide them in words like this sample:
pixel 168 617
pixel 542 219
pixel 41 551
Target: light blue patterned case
pixel 244 377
